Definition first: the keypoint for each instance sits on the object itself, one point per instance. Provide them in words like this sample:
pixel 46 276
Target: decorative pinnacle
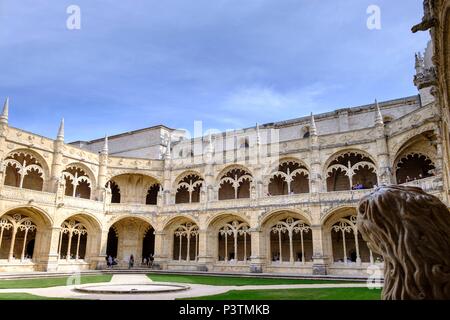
pixel 60 136
pixel 313 128
pixel 169 143
pixel 105 149
pixel 378 116
pixel 4 116
pixel 258 136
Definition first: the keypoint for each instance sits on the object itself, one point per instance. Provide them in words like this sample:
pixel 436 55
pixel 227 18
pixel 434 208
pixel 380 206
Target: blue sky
pixel 228 63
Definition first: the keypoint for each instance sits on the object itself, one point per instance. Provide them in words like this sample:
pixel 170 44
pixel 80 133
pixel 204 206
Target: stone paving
pixel 196 290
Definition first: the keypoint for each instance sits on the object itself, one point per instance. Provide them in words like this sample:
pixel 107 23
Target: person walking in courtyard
pixel 151 258
pixel 131 262
pixel 110 262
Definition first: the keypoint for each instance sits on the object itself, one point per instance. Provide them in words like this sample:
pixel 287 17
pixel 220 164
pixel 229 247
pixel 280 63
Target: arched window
pixel 152 194
pixel 115 191
pixel 188 189
pixel 72 240
pixel 234 242
pixel 23 171
pixel 348 244
pixel 291 178
pixel 185 244
pixel 17 235
pixel 414 167
pixel 351 171
pixel 235 184
pixel 287 241
pixel 77 182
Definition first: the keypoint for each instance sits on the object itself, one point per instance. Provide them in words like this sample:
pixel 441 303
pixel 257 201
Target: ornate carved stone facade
pixel 277 198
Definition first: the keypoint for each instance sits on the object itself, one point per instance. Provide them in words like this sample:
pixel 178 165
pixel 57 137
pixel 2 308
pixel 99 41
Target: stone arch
pixel 344 151
pixel 274 166
pixel 79 181
pixel 134 188
pixel 80 237
pixel 116 173
pixel 288 211
pixel 219 217
pixel 179 218
pixel 235 182
pixel 232 167
pixel 39 157
pixel 86 169
pixel 20 225
pixel 396 148
pixel 187 187
pixel 130 235
pixel 184 174
pixel 291 176
pixel 350 169
pixel 181 239
pixel 288 237
pixel 341 239
pixel 416 158
pixel 25 168
pixel 229 236
pixel 130 216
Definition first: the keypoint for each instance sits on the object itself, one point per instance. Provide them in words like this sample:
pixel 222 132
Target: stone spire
pixel 168 154
pixel 105 149
pixel 378 116
pixel 420 63
pixel 258 136
pixel 60 136
pixel 313 128
pixel 210 144
pixel 4 116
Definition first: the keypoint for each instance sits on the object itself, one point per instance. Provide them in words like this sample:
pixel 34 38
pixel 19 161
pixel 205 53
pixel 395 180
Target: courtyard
pixel 183 286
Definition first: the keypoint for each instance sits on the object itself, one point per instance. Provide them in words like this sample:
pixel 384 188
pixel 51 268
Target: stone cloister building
pixel 276 198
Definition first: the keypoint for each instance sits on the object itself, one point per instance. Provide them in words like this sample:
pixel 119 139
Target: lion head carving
pixel 411 230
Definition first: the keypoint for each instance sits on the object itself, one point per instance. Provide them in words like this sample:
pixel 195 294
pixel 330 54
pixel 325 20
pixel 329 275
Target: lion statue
pixel 411 230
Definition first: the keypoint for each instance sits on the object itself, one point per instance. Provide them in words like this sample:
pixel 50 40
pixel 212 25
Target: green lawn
pixel 49 282
pixel 25 296
pixel 232 281
pixel 297 294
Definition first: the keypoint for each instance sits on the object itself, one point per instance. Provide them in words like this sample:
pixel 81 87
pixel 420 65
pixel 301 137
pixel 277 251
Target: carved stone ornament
pixel 411 230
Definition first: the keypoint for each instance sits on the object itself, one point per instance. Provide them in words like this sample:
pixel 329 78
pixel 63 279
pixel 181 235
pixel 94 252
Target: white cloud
pixel 268 100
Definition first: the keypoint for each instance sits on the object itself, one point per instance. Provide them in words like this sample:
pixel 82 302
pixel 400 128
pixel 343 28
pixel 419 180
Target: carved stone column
pixel 385 173
pixel 258 256
pixel 160 254
pixel 205 258
pixel 320 261
pixel 50 258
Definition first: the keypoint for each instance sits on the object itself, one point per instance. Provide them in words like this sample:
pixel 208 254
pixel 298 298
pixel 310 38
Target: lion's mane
pixel 411 230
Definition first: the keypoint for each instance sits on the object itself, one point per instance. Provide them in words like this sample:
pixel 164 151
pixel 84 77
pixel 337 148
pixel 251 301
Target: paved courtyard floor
pixel 195 290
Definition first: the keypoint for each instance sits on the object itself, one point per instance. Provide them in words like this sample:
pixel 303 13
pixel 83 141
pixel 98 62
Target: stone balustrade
pixel 432 185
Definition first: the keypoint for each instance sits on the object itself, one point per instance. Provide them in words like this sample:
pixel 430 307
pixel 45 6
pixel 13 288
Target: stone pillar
pixel 258 256
pixel 320 260
pixel 51 259
pixel 57 165
pixel 160 254
pixel 205 258
pixel 100 260
pixel 385 176
pixel 315 176
pixel 102 175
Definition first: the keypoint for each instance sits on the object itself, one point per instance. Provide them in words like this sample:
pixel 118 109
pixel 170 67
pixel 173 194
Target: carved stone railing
pixel 431 185
pixel 83 203
pixel 27 195
pixel 343 196
pixel 427 184
pixel 131 208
